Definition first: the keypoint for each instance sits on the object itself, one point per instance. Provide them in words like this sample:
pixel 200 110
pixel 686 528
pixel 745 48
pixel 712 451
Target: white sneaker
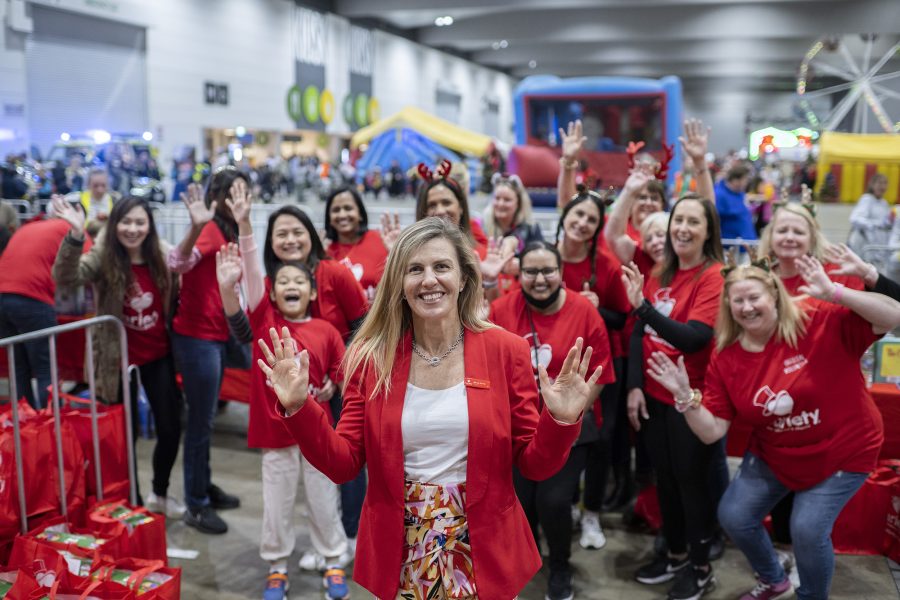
pixel 592 536
pixel 313 561
pixel 169 506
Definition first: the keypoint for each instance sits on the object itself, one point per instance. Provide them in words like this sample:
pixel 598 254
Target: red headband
pixel 662 169
pixel 443 171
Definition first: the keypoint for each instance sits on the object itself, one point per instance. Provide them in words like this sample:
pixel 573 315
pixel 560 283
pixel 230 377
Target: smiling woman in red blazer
pixel 441 405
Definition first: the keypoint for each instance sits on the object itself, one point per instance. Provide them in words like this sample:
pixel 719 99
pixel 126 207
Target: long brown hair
pixel 712 247
pixel 115 264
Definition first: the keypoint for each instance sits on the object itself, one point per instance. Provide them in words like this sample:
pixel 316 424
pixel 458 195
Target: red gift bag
pixel 47 563
pixel 77 540
pixel 145 531
pixel 149 579
pixel 860 528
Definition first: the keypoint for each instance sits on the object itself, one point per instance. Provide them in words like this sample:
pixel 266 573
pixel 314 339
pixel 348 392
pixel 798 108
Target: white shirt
pixel 435 428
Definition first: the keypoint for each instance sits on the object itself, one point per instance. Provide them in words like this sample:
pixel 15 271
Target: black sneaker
pixel 205 520
pixel 219 500
pixel 661 570
pixel 691 583
pixel 559 587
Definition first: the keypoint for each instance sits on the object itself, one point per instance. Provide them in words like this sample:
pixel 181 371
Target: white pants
pixel 281 470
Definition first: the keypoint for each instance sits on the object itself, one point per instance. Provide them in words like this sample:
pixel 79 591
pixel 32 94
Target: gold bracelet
pixel 695 400
pixel 568 164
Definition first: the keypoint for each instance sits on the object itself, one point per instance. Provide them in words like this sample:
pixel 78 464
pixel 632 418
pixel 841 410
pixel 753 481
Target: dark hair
pixel 456 189
pixel 330 231
pixel 712 247
pixel 316 252
pixel 219 189
pixel 655 186
pixel 536 245
pixel 115 264
pixel 580 197
pixel 297 265
pixel 737 171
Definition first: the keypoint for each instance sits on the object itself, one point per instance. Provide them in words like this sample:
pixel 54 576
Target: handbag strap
pixel 87 591
pixel 137 578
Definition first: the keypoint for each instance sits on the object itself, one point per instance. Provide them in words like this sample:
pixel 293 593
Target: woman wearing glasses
pixel 550 318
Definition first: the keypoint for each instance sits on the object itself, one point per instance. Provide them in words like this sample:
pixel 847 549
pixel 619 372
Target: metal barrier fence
pixel 51 333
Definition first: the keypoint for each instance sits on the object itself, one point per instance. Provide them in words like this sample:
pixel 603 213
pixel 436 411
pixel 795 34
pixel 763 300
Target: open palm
pixel 695 140
pixel 390 230
pixel 569 395
pixel 195 203
pixel 572 139
pixel 289 377
pixel 68 213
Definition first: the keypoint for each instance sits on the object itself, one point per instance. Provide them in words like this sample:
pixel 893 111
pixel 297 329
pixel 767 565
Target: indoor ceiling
pixel 743 43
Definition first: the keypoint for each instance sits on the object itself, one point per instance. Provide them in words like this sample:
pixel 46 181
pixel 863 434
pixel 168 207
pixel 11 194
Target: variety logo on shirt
pixel 665 304
pixel 542 355
pixel 138 300
pixel 781 405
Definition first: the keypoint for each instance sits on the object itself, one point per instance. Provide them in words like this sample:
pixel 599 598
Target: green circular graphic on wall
pixel 326 106
pixel 311 103
pixel 348 109
pixel 361 110
pixel 295 103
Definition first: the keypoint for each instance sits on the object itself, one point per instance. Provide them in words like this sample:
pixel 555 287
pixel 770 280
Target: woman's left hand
pixel 818 285
pixel 390 230
pixel 494 261
pixel 849 263
pixel 570 394
pixel 239 201
pixel 669 375
pixel 634 284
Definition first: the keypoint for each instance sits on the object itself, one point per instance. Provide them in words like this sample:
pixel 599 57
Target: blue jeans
pixel 354 491
pixel 752 495
pixel 201 364
pixel 18 315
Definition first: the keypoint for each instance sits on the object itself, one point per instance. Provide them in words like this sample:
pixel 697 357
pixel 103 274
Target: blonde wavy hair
pixel 523 208
pixel 818 244
pixel 791 318
pixel 374 347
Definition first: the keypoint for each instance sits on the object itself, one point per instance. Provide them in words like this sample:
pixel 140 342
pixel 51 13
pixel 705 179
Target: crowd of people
pixel 448 391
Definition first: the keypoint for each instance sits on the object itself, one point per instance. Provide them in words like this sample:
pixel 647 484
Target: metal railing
pixel 51 334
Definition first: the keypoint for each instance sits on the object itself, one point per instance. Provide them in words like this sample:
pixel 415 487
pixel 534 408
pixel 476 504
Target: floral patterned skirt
pixel 437 560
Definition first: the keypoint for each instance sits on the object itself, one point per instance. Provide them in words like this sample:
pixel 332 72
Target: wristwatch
pixel 691 402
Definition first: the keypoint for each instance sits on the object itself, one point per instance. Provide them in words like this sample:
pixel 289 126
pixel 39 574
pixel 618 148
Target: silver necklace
pixel 434 361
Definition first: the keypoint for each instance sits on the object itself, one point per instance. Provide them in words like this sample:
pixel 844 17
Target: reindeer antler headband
pixel 662 169
pixel 443 171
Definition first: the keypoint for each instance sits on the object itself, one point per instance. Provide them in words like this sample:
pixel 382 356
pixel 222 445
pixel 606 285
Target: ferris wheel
pixel 862 64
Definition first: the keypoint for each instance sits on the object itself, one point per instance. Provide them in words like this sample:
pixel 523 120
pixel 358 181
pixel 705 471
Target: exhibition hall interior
pixel 482 299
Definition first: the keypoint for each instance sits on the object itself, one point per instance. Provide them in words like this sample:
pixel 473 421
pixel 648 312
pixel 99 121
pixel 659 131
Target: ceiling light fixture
pixel 443 21
pixel 500 45
pixel 532 64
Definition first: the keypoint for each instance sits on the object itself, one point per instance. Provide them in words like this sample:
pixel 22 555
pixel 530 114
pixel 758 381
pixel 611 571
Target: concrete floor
pixel 228 567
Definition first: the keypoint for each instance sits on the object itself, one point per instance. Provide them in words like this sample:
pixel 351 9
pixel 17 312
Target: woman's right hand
pixel 634 284
pixel 289 377
pixel 228 266
pixel 637 180
pixel 572 141
pixel 390 230
pixel 240 202
pixel 200 213
pixel 637 408
pixel 69 214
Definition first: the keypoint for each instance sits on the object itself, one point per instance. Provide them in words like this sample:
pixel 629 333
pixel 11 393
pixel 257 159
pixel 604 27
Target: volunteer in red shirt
pixel 442 196
pixel 789 369
pixel 677 311
pixel 550 318
pixel 132 283
pixel 440 405
pixel 286 305
pixel 27 302
pixel 199 339
pixel 352 243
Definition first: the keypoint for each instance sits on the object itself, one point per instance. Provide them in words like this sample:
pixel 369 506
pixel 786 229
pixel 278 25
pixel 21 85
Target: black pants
pixel 167 404
pixel 548 504
pixel 682 464
pixel 600 453
pixel 354 491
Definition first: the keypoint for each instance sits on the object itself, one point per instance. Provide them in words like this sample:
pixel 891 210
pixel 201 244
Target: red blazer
pixel 505 428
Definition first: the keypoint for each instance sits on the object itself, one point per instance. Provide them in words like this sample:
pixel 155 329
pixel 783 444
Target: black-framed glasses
pixel 547 272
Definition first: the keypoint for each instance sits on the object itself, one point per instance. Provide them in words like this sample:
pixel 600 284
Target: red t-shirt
pixel 556 333
pixel 200 312
pixel 27 263
pixel 481 240
pixel 340 299
pixel 808 406
pixel 265 428
pixel 144 318
pixel 693 295
pixel 607 286
pixel 792 284
pixel 365 259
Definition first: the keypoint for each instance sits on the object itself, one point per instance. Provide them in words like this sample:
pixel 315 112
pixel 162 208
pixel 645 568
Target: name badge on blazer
pixel 481 384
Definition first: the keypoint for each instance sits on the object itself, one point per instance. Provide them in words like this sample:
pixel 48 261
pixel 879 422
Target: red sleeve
pixel 336 355
pixel 350 294
pixel 715 393
pixel 210 240
pixel 856 332
pixel 339 453
pixel 705 307
pixel 540 444
pixel 614 296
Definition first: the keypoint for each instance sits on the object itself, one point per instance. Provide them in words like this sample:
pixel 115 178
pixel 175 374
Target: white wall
pixel 13 85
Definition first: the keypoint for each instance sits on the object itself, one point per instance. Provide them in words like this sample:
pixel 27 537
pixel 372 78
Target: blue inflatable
pixel 407 147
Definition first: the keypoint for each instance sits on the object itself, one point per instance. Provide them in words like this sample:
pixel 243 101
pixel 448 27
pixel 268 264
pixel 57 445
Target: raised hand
pixel 195 203
pixel 573 140
pixel 390 230
pixel 228 266
pixel 695 140
pixel 637 180
pixel 68 213
pixel 849 263
pixel 669 375
pixel 494 261
pixel 240 202
pixel 637 408
pixel 289 377
pixel 818 285
pixel 570 394
pixel 634 284
pixel 588 293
